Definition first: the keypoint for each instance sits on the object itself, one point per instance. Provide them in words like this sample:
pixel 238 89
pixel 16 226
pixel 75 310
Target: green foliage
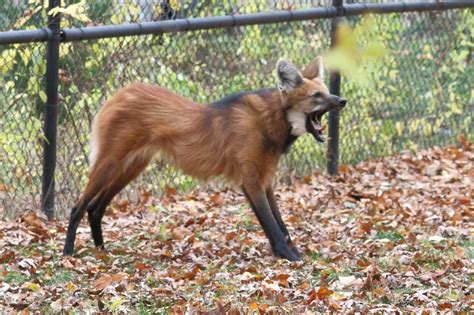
pixel 393 236
pixel 61 277
pixel 76 11
pixel 14 277
pixel 419 95
pixel 358 51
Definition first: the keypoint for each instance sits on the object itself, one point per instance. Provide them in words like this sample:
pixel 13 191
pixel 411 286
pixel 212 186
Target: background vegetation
pixel 419 95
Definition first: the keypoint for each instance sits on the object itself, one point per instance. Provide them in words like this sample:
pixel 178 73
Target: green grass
pixel 154 307
pixel 315 256
pixel 61 277
pixel 15 277
pixel 393 236
pixel 468 246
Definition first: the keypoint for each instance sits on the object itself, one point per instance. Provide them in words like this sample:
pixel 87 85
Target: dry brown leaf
pixel 7 256
pixel 107 280
pixel 180 232
pixel 323 293
pixel 312 295
pixel 102 282
pixel 253 306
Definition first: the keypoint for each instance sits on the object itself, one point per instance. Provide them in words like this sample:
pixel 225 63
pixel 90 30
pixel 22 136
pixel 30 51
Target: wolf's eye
pixel 317 94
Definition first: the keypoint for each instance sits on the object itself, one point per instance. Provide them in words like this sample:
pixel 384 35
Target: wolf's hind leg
pixel 123 174
pixel 108 177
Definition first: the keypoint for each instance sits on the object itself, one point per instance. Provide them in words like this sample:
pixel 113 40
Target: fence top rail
pixel 226 21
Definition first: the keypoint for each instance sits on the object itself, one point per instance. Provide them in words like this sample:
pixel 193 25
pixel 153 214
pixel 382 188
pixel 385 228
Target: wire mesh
pixel 22 14
pixel 21 99
pixel 419 96
pixel 126 11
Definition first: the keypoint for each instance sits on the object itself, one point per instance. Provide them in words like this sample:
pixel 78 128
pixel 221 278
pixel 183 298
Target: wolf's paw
pixel 292 246
pixel 295 250
pixel 284 251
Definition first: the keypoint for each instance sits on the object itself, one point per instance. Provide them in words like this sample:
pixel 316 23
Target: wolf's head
pixel 305 97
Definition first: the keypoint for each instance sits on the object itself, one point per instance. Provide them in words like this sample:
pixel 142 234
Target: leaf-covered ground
pixel 385 235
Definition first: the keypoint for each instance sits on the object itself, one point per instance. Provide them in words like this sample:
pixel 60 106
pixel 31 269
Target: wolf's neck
pixel 278 126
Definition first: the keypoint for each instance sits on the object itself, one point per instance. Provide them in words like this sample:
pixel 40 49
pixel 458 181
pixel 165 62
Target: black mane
pixel 234 98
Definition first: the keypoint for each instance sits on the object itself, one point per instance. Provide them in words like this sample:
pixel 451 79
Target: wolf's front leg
pixel 276 214
pixel 260 205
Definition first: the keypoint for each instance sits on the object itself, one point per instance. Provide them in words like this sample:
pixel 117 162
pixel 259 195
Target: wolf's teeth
pixel 318 127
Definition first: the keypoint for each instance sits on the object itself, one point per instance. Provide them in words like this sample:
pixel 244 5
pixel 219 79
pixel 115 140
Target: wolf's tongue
pixel 317 126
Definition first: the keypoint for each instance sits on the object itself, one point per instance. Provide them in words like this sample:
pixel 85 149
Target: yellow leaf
pixel 8 60
pixel 427 129
pixel 64 49
pixel 33 287
pixel 76 10
pixel 455 109
pixel 393 74
pixel 340 60
pixel 71 287
pixel 357 51
pixel 375 50
pixel 175 4
pixel 42 96
pixel 345 37
pixel 399 127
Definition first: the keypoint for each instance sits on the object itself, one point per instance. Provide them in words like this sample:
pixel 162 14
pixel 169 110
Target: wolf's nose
pixel 342 102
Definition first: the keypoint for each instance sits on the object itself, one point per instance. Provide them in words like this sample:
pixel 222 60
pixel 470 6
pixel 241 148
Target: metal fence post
pixel 334 88
pixel 51 112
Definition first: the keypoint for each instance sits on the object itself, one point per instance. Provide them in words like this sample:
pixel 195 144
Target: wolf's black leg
pixel 279 220
pixel 259 202
pixel 95 215
pixel 88 203
pixel 77 213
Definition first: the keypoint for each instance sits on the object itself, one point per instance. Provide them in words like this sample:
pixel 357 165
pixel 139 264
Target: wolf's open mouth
pixel 313 125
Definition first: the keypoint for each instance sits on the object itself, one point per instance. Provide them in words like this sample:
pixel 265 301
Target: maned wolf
pixel 241 137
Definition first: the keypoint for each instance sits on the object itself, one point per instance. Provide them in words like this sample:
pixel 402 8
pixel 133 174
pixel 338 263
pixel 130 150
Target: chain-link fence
pixel 420 95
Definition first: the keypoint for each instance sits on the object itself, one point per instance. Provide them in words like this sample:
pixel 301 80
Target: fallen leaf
pixel 323 293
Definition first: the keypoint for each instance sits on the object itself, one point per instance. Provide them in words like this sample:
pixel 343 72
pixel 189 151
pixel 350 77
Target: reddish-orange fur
pixel 201 140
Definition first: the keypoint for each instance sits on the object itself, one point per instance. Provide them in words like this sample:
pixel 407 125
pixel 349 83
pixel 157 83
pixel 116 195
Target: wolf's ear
pixel 288 75
pixel 314 69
